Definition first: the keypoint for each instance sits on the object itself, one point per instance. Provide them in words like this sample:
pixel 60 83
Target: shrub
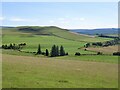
pixel 77 54
pixel 43 53
pixel 47 52
pixel 99 53
pixel 116 53
pixel 66 53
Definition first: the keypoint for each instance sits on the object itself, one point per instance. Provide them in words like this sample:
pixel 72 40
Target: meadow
pixel 26 70
pixel 40 72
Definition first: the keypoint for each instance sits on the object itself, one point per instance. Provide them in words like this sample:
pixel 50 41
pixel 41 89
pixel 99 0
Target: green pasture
pixel 46 42
pixel 27 70
pixel 38 72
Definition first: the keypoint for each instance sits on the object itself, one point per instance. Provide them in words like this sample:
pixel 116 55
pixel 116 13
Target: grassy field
pixel 27 70
pixel 54 31
pixel 105 50
pixel 44 41
pixel 36 72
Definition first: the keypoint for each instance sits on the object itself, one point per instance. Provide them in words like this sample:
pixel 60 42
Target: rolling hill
pixel 53 31
pixel 25 69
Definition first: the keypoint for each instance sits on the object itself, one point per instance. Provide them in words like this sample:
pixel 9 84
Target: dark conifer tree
pixel 47 52
pixel 5 47
pixel 62 52
pixel 53 51
pixel 10 47
pixel 39 49
pixel 57 51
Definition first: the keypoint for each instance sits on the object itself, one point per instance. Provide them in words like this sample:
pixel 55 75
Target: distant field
pixel 45 41
pixel 71 45
pixel 56 32
pixel 38 72
pixel 105 50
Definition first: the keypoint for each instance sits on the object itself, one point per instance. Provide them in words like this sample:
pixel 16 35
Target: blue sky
pixel 67 15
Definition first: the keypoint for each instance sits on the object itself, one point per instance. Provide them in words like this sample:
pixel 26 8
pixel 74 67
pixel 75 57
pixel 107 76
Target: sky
pixel 68 15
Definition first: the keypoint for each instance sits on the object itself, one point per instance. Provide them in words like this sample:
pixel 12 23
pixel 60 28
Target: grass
pixel 45 42
pixel 26 70
pixel 56 32
pixel 105 50
pixel 96 58
pixel 35 72
pixel 77 37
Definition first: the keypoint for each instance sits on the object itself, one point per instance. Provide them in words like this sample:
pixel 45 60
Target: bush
pixel 43 53
pixel 116 53
pixel 99 53
pixel 77 54
pixel 66 53
pixel 47 52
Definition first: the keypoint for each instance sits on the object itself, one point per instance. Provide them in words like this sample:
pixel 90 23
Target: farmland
pixel 22 69
pixel 35 72
pixel 109 49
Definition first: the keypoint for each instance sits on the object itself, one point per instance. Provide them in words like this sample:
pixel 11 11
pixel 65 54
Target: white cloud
pixel 79 19
pixel 17 19
pixel 64 22
pixel 51 21
pixel 2 18
pixel 61 19
pixel 82 19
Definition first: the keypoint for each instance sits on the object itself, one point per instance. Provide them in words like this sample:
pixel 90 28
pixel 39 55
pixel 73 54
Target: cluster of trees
pixel 107 43
pixel 14 46
pixel 54 51
pixel 105 36
pixel 116 53
pixel 87 45
pixel 104 44
pixel 46 53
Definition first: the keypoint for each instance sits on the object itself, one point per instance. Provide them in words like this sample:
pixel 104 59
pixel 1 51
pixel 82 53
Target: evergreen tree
pixel 57 51
pixel 10 47
pixel 47 52
pixel 5 47
pixel 53 51
pixel 39 49
pixel 62 52
pixel 14 47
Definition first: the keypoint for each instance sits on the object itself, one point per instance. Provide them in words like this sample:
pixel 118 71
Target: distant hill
pixel 96 31
pixel 51 31
pixel 6 27
pixel 46 30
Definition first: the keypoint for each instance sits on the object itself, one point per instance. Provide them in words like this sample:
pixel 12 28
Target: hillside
pixel 96 31
pixel 53 31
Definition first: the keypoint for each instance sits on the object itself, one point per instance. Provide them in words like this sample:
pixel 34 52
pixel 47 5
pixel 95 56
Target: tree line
pixel 55 51
pixel 104 44
pixel 13 46
pixel 105 36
